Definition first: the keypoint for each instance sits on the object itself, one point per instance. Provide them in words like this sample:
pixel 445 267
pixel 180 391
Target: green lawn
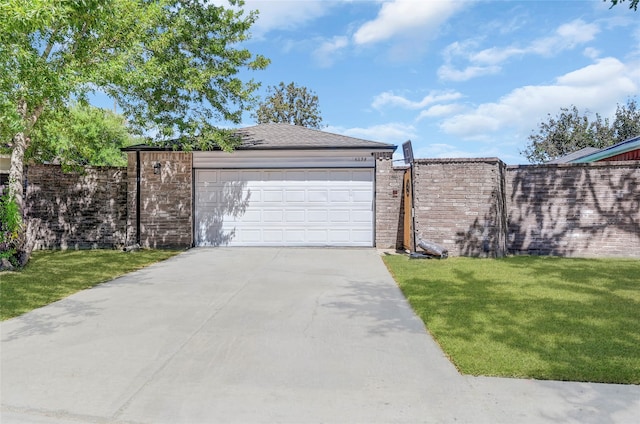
pixel 533 317
pixel 53 275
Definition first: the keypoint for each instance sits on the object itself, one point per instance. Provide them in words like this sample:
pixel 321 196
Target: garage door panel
pixel 340 195
pixel 317 236
pixel 284 207
pixel 317 216
pixel 295 216
pixel 273 236
pixel 249 216
pixel 360 236
pixel 317 196
pixel 295 195
pixel 229 176
pixel 340 236
pixel 361 216
pixel 361 175
pixel 273 216
pixel 363 196
pixel 339 216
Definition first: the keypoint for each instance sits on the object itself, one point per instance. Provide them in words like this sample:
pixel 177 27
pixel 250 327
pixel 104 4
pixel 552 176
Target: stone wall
pixel 388 206
pixel 76 210
pixel 586 210
pixel 459 204
pixel 165 199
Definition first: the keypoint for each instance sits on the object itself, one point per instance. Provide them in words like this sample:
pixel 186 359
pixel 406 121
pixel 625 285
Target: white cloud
pixel 326 54
pixel 284 14
pixel 596 88
pixel 488 61
pixel 567 37
pixel 395 133
pixel 401 17
pixel 449 73
pixel 591 53
pixel 388 98
pixel 437 111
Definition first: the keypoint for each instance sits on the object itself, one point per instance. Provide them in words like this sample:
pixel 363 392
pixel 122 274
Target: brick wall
pixel 76 210
pixel 389 211
pixel 459 204
pixel 582 210
pixel 165 198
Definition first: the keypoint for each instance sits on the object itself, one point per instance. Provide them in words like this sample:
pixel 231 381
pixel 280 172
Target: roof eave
pixel 624 147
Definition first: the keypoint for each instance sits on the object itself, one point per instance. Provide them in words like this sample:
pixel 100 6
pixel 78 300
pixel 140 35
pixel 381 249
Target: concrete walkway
pixel 262 336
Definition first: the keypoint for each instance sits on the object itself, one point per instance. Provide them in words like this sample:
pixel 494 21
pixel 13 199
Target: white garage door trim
pixel 284 207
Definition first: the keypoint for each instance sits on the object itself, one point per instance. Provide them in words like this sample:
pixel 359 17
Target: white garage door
pixel 310 207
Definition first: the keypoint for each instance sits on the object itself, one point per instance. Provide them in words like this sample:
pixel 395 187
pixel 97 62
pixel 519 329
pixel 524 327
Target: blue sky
pixel 459 78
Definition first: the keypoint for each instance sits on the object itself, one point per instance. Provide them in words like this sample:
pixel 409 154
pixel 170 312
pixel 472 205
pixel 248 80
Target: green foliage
pixel 81 135
pixel 530 317
pixel 570 131
pixel 10 225
pixel 290 104
pixel 173 66
pixel 633 4
pixel 53 275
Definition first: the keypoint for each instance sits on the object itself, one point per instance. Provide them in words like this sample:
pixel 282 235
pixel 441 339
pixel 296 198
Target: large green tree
pixel 291 104
pixel 571 130
pixel 172 66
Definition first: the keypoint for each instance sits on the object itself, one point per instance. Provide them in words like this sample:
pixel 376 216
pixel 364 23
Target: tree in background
pixel 570 131
pixel 633 4
pixel 171 65
pixel 290 104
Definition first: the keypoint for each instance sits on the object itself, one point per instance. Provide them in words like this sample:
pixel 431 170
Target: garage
pixel 286 186
pixel 292 207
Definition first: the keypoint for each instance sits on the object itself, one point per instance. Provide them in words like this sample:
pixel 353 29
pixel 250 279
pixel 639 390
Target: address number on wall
pixel 360 159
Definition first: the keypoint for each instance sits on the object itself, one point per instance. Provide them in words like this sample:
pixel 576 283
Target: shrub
pixel 10 223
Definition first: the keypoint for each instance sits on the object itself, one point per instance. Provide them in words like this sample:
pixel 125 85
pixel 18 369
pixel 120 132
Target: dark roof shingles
pixel 286 136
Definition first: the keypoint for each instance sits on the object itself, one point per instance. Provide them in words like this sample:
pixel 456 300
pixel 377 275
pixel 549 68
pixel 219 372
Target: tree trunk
pixel 16 190
pixel 16 173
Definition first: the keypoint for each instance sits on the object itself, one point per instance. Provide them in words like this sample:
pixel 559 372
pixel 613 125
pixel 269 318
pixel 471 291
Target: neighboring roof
pixel 616 149
pixel 286 136
pixel 574 155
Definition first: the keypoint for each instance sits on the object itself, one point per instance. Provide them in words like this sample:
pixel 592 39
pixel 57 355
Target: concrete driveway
pixel 264 335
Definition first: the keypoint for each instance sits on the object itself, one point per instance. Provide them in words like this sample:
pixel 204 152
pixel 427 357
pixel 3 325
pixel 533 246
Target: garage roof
pixel 276 136
pixel 286 136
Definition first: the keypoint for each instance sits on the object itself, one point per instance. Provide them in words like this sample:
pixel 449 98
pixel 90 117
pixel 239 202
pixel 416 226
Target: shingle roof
pixel 574 155
pixel 286 136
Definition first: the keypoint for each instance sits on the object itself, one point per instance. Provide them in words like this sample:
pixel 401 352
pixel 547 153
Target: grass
pixel 52 275
pixel 530 317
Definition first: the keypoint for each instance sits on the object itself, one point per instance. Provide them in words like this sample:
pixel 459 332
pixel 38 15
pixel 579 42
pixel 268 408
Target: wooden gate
pixel 407 240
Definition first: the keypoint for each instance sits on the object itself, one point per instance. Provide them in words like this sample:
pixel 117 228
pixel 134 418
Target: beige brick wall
pixel 459 204
pixel 165 199
pixel 76 210
pixel 388 206
pixel 585 210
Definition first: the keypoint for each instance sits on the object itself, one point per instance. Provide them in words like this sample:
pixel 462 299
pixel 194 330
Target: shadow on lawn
pixel 573 328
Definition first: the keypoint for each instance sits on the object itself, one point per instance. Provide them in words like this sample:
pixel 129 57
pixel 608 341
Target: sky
pixel 459 78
